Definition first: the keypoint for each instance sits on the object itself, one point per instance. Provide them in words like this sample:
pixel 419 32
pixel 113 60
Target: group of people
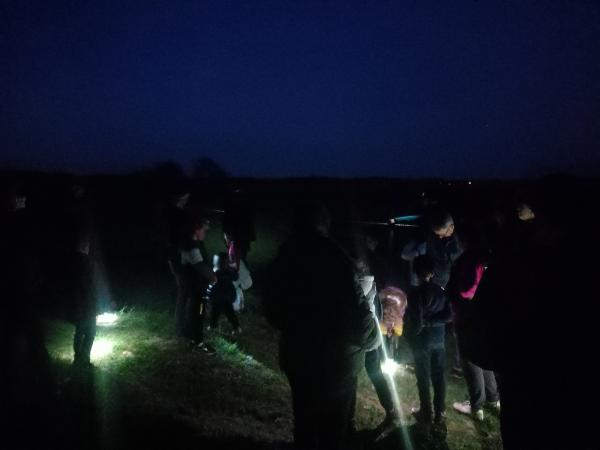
pixel 203 282
pixel 499 286
pixel 483 281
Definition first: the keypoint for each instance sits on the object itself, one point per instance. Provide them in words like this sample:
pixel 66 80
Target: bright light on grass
pixel 389 366
pixel 101 348
pixel 106 319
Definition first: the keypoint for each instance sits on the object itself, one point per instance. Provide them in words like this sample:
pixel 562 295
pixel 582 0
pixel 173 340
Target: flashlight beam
pixel 387 224
pixel 389 368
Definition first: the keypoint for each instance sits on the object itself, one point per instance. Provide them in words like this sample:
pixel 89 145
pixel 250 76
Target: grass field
pixel 150 391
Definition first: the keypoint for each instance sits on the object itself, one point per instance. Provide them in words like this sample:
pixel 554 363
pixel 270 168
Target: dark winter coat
pixel 428 307
pixel 444 252
pixel 315 300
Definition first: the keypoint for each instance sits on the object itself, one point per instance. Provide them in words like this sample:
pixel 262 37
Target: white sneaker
pixel 494 405
pixel 478 415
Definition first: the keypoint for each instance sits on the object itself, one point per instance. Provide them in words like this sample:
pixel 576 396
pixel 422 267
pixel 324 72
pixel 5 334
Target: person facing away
pixel 531 313
pixel 427 313
pixel 28 380
pixel 223 294
pixel 84 304
pixel 177 217
pixel 325 325
pixel 196 275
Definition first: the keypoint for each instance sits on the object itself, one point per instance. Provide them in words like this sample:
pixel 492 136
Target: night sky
pixel 474 89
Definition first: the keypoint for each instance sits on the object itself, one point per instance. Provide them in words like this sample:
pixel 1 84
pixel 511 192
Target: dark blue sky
pixel 295 88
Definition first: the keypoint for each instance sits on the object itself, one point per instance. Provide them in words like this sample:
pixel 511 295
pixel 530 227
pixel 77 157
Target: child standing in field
pixel 223 294
pixel 428 312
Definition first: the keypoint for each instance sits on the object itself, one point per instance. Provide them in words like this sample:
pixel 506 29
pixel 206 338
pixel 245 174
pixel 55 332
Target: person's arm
pixel 469 289
pixel 455 249
pixel 462 279
pixel 417 317
pixel 367 326
pixel 357 323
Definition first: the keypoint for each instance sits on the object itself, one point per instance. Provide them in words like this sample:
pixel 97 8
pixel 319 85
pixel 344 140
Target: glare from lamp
pixel 389 366
pixel 101 348
pixel 106 319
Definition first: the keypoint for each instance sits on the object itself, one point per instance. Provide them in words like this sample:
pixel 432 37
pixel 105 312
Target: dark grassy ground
pixel 150 391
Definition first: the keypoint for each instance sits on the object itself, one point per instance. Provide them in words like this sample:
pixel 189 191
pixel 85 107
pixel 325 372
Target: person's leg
pixel 491 387
pixel 373 368
pixel 393 348
pixel 77 342
pixel 193 318
pixel 474 376
pixel 200 319
pixel 89 334
pixel 457 364
pixel 180 300
pixel 215 313
pixel 231 316
pixel 514 418
pixel 438 378
pixel 336 410
pixel 304 406
pixel 423 373
pixel 188 305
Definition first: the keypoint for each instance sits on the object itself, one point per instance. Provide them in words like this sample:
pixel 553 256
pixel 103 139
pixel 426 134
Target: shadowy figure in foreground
pixel 26 378
pixel 326 326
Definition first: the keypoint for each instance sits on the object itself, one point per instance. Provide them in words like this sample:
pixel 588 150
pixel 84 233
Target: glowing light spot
pixel 106 319
pixel 389 366
pixel 101 348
